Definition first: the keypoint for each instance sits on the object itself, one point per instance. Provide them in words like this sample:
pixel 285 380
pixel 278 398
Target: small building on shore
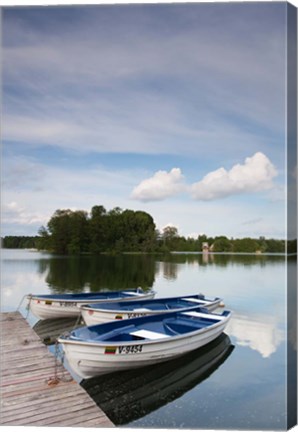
pixel 205 247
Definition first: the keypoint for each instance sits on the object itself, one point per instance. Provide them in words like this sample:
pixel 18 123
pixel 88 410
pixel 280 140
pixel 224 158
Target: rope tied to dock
pixel 29 296
pixel 58 363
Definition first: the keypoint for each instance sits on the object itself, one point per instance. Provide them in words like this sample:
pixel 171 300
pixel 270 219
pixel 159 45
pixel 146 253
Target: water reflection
pixel 95 273
pixel 170 265
pixel 260 333
pixel 219 259
pixel 169 270
pixel 50 329
pixel 130 395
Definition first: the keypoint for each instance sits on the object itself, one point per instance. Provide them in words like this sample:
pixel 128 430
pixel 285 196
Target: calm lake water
pixel 237 382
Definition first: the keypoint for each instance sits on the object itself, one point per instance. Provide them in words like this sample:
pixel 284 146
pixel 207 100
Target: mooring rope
pixel 62 378
pixel 29 296
pixel 79 319
pixel 20 304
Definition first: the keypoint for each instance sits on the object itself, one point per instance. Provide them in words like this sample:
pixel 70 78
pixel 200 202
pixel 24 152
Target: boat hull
pixel 89 359
pixel 92 316
pixel 52 308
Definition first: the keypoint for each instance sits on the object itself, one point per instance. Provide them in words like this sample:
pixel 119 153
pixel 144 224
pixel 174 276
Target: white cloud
pixel 15 213
pixel 39 130
pixel 162 185
pixel 255 175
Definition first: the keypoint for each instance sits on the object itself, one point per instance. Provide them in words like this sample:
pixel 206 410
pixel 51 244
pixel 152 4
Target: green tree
pixel 98 227
pixel 145 231
pixel 247 245
pixel 222 244
pixel 275 246
pixel 170 237
pixel 44 239
pixel 68 232
pixel 78 230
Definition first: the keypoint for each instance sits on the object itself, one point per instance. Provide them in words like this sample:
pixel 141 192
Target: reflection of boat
pixel 51 306
pixel 128 395
pixel 104 312
pixel 49 330
pixel 127 344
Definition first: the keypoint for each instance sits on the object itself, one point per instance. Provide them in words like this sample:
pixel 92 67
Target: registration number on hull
pixel 68 304
pixel 129 349
pixel 135 314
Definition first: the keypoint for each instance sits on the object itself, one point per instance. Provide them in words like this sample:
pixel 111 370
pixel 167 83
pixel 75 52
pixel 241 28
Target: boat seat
pixel 147 334
pixel 204 315
pixel 141 310
pixel 133 293
pixel 194 300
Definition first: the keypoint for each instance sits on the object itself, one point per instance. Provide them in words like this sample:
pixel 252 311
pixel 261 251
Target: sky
pixel 174 109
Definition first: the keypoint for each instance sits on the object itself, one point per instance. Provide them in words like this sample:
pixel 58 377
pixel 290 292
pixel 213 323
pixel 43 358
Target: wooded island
pixel 71 232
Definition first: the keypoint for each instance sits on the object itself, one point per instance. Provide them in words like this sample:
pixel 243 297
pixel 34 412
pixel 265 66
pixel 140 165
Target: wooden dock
pixel 31 394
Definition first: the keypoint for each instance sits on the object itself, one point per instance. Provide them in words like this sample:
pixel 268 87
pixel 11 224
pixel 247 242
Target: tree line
pixel 71 232
pixel 20 242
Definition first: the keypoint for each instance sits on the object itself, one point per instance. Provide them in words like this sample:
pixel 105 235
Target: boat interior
pixel 89 296
pixel 151 330
pixel 149 305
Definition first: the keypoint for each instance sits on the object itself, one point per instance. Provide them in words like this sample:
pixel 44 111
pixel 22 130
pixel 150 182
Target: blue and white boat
pixel 49 306
pixel 99 313
pixel 128 344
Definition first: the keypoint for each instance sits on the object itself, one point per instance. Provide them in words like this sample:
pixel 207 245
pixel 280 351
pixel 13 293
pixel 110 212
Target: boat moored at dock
pixel 127 344
pixel 49 306
pixel 104 312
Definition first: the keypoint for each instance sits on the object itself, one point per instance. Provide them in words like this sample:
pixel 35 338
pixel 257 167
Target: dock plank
pixel 27 396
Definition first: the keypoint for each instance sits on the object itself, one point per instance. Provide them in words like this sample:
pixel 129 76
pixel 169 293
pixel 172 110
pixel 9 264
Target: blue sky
pixel 174 109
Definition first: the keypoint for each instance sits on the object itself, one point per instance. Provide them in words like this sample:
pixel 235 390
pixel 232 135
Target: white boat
pixel 104 312
pixel 128 344
pixel 51 306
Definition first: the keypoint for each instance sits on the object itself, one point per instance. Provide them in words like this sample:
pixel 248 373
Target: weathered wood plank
pixel 76 414
pixel 26 396
pixel 23 389
pixel 88 423
pixel 52 418
pixel 42 413
pixel 26 367
pixel 24 350
pixel 50 403
pixel 36 396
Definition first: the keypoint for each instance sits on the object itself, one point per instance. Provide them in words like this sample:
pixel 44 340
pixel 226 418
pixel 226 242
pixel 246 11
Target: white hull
pixel 88 359
pixel 52 308
pixel 100 316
